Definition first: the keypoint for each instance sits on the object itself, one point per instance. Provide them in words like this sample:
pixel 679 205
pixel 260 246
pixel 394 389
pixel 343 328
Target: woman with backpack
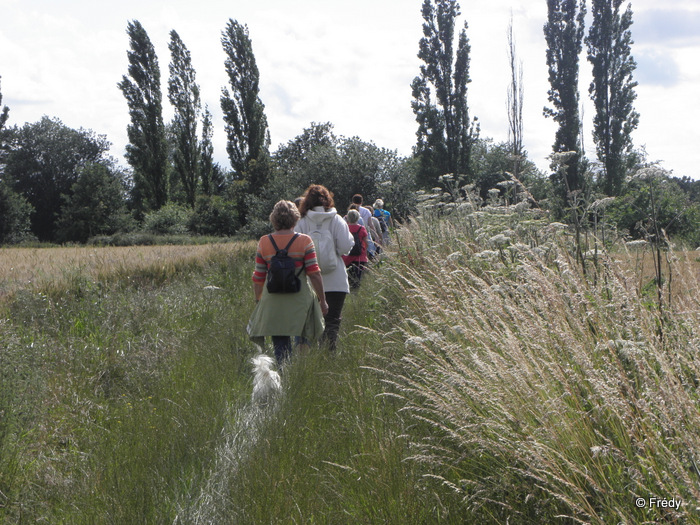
pixel 384 218
pixel 286 306
pixel 332 239
pixel 356 260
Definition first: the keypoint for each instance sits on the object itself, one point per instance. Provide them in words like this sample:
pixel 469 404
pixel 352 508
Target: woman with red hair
pixel 332 240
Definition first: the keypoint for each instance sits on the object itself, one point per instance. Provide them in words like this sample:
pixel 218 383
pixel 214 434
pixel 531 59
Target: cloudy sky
pixel 348 63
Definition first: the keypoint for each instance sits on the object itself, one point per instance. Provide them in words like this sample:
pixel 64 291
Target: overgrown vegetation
pixel 485 374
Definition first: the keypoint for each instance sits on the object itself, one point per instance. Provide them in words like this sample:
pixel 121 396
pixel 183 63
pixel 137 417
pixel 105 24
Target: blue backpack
pixel 381 216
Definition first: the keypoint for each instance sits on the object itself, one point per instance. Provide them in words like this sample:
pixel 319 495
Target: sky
pixel 348 63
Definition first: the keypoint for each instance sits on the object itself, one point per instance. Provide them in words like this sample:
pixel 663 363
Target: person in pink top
pixel 356 260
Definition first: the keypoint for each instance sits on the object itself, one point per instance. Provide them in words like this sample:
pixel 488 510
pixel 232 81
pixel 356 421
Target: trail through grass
pixel 482 376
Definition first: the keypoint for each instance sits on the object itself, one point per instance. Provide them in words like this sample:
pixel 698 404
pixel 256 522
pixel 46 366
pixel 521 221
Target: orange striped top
pixel 302 251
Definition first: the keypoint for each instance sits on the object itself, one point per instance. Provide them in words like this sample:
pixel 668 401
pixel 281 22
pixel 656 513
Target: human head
pixel 297 201
pixel 353 216
pixel 378 204
pixel 284 216
pixel 354 206
pixel 316 195
pixel 357 199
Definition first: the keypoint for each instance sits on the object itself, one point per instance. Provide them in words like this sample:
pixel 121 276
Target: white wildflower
pixel 601 204
pixel 519 247
pixel 522 206
pixel 557 226
pixel 499 240
pixel 415 341
pixel 487 255
pixel 599 451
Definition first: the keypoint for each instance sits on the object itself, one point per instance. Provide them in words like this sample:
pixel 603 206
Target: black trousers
pixel 283 347
pixel 335 301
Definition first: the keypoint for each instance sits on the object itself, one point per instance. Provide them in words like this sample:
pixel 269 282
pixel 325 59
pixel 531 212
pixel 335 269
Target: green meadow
pixel 486 373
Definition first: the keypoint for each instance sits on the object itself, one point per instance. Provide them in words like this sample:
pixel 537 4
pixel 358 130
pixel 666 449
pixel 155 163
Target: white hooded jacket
pixel 337 280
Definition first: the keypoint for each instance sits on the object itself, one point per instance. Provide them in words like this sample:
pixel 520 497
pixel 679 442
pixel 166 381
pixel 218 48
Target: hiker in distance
pixel 332 239
pixel 356 260
pixel 286 306
pixel 385 220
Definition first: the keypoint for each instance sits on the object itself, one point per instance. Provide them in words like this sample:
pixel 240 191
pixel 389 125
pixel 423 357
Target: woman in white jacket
pixel 332 238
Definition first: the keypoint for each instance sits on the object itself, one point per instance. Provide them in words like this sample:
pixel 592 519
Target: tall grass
pixel 550 391
pixel 481 377
pixel 114 388
pixel 332 451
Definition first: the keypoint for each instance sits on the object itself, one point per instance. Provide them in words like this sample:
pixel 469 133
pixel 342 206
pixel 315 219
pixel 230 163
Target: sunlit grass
pixel 39 268
pixel 482 376
pixel 116 383
pixel 551 391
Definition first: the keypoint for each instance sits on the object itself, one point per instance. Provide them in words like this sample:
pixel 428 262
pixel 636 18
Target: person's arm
pixel 317 285
pixel 258 290
pixel 259 273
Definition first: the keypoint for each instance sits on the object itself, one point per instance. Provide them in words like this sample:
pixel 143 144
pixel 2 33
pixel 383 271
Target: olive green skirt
pixel 287 314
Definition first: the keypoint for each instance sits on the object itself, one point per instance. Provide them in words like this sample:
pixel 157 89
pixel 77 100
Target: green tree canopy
pixel 344 165
pixel 564 35
pixel 147 151
pixel 15 212
pixel 4 115
pixel 445 133
pixel 212 177
pixel 612 89
pixel 44 163
pixel 244 113
pixel 4 110
pixel 652 200
pixel 183 93
pixel 95 206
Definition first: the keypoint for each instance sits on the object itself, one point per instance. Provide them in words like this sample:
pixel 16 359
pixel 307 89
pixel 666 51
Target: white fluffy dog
pixel 267 382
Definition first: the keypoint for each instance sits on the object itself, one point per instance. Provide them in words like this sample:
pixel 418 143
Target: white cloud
pixel 346 63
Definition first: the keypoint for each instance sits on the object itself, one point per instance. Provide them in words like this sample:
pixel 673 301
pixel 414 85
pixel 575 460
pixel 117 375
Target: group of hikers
pixel 311 238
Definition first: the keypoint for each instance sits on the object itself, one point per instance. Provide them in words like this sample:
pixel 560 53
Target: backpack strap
pixel 274 244
pixel 286 249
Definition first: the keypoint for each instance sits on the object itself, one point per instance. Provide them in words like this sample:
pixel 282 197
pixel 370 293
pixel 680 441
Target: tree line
pixel 59 184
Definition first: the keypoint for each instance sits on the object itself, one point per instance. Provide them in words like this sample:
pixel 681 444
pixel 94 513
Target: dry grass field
pixel 32 268
pixel 680 271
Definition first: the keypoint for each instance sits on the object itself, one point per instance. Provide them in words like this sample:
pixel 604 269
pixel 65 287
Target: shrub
pixel 171 219
pixel 214 216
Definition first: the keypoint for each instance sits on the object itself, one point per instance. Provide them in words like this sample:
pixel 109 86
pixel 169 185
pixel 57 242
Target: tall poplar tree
pixel 183 93
pixel 206 155
pixel 564 36
pixel 147 151
pixel 244 113
pixel 609 43
pixel 4 110
pixel 445 133
pixel 515 103
pixel 4 115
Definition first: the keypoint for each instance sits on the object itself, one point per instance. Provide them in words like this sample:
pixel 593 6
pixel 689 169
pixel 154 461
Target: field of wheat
pixel 37 268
